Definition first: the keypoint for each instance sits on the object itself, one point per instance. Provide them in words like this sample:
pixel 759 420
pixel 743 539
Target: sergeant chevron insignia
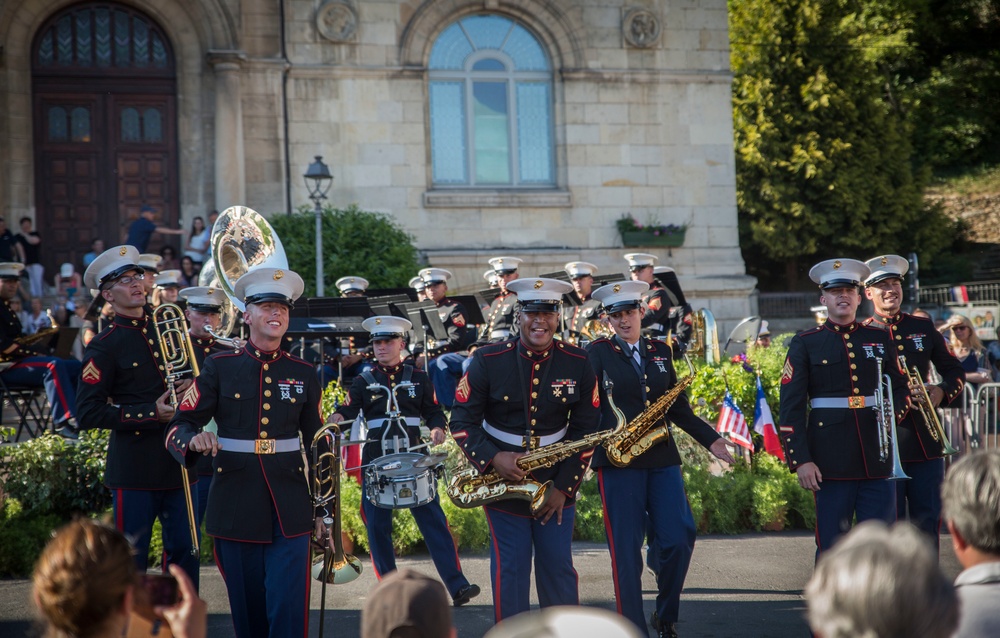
pixel 91 373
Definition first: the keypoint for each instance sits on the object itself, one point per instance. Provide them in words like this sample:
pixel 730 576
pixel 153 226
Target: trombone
pixel 927 410
pixel 178 359
pixel 885 414
pixel 333 566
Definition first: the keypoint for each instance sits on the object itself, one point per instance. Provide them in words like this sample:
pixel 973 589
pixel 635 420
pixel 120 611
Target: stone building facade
pixel 518 126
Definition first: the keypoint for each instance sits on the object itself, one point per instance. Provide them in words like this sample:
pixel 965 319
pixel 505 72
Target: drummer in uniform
pixel 203 310
pixel 388 337
pixel 920 447
pixel 518 397
pixel 259 508
pixel 827 423
pixel 443 359
pixel 586 308
pixel 123 388
pixel 651 486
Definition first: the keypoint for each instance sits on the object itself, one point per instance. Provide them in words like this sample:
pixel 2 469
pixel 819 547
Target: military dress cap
pixel 434 275
pixel 351 284
pixel 659 270
pixel 621 295
pixel 577 269
pixel 491 277
pixel 386 326
pixel 269 284
pixel 204 298
pixel 505 265
pixel 112 264
pixel 149 261
pixel 838 273
pixel 11 270
pixel 417 283
pixel 168 279
pixel 539 294
pixel 640 260
pixel 886 267
pixel 407 603
pixel 764 330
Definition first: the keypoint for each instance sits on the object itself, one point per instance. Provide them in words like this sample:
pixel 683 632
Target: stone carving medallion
pixel 337 21
pixel 641 28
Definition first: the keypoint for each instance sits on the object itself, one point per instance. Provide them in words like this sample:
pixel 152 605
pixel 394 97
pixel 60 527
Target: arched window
pixel 490 106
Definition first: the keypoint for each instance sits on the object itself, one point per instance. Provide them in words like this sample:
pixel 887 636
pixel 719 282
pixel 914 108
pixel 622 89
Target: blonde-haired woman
pixel 967 348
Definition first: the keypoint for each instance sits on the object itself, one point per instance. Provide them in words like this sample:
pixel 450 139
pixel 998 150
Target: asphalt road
pixel 738 586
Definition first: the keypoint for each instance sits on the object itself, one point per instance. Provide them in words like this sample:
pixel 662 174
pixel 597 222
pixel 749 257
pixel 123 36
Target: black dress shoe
pixel 668 630
pixel 654 621
pixel 67 432
pixel 465 594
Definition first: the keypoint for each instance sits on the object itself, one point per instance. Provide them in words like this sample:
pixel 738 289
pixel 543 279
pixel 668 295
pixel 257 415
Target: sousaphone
pixel 241 239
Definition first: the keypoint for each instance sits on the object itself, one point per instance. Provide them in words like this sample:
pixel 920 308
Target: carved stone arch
pixel 557 23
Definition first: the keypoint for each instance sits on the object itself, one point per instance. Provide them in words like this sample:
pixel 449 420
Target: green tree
pixel 824 163
pixel 355 242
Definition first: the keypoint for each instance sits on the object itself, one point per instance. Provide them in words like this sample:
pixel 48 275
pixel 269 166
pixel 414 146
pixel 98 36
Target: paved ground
pixel 749 585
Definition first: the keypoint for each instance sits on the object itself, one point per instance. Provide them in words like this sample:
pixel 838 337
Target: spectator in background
pixel 168 258
pixel 212 216
pixel 881 582
pixel 96 248
pixel 764 336
pixel 197 242
pixel 85 584
pixel 971 498
pixel 968 349
pixel 68 282
pixel 10 249
pixel 31 245
pixel 38 319
pixel 143 228
pixel 189 273
pixel 17 308
pixel 565 622
pixel 993 356
pixel 407 603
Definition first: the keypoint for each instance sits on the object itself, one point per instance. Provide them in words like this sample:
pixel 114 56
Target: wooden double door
pixel 100 156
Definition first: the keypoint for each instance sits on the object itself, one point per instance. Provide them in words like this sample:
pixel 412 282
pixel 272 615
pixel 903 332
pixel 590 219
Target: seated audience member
pixel 407 604
pixel 17 309
pixel 96 248
pixel 169 258
pixel 565 622
pixel 970 496
pixel 38 319
pixel 881 582
pixel 85 584
pixel 68 282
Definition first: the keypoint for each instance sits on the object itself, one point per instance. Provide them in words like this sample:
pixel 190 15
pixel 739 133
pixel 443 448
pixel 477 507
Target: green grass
pixel 976 181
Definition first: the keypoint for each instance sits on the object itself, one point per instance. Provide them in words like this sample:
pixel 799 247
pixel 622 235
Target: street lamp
pixel 318 181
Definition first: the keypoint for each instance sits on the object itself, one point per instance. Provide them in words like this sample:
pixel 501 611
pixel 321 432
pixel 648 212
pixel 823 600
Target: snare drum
pixel 395 482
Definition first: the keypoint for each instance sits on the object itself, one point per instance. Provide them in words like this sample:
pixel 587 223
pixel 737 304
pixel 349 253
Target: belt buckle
pixel 855 402
pixel 265 446
pixel 530 442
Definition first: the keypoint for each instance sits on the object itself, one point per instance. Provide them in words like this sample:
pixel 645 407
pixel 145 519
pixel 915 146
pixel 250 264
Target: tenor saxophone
pixel 468 488
pixel 647 429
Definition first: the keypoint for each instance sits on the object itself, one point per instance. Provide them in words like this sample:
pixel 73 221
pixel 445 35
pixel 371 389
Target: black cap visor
pixel 118 272
pixel 840 283
pixel 541 305
pixel 871 281
pixel 619 306
pixel 204 307
pixel 385 336
pixel 264 297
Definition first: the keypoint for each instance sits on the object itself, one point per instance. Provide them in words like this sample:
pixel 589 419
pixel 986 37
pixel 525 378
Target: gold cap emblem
pixel 378 321
pixel 123 250
pixel 538 284
pixel 836 265
pixel 617 288
pixel 885 260
pixel 211 291
pixel 278 274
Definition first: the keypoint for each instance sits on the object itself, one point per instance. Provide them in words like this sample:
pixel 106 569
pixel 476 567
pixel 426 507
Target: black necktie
pixel 635 358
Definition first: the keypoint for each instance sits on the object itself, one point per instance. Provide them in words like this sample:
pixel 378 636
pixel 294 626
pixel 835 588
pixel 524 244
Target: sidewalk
pixel 738 586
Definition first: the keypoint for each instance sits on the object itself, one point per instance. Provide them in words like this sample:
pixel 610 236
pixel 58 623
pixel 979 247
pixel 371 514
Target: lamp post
pixel 318 181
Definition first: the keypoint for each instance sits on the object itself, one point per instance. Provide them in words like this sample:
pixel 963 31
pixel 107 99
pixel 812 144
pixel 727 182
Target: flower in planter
pixel 628 224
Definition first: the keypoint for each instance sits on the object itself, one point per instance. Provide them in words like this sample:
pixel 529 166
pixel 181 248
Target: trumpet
pixel 178 359
pixel 927 410
pixel 885 414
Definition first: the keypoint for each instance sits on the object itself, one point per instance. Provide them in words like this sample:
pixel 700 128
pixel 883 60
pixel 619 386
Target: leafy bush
pixel 23 535
pixel 355 242
pixel 48 475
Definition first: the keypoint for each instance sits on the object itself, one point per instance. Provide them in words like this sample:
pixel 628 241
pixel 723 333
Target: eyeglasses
pixel 956 328
pixel 127 281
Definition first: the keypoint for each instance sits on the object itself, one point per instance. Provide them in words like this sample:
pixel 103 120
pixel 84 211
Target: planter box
pixel 648 239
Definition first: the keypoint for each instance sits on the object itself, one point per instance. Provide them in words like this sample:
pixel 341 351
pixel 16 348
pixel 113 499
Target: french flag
pixel 763 424
pixel 733 423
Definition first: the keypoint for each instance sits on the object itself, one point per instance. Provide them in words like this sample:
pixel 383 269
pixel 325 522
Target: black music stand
pixel 425 319
pixel 328 320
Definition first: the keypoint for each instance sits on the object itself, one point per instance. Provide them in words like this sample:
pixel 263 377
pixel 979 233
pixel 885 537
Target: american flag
pixel 733 423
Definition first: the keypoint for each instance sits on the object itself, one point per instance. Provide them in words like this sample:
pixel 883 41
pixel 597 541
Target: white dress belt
pixel 843 402
pixel 259 446
pixel 499 334
pixel 412 421
pixel 515 439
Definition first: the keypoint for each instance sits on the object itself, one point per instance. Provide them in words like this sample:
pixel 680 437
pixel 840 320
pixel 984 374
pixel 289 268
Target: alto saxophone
pixel 646 430
pixel 468 488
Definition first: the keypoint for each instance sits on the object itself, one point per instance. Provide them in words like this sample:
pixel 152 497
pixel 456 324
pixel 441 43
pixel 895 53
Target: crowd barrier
pixel 972 424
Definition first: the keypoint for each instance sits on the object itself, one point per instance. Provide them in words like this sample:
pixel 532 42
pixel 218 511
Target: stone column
pixel 230 171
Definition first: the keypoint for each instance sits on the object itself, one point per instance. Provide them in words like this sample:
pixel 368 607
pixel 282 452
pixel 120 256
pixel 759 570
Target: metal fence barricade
pixel 987 410
pixel 957 423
